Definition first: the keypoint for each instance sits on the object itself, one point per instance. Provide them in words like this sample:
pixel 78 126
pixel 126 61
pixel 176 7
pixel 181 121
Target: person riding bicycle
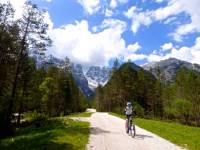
pixel 128 112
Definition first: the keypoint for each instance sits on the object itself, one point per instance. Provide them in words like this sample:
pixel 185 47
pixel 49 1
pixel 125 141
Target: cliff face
pixel 97 76
pixel 169 68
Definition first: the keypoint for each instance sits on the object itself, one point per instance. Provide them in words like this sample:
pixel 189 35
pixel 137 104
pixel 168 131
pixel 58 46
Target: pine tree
pixel 33 38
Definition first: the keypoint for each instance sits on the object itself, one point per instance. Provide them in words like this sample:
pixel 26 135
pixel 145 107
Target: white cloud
pixel 167 46
pixel 159 1
pixel 85 47
pixel 130 53
pixel 109 13
pixel 192 9
pixel 115 3
pixel 173 8
pixel 133 47
pixel 154 57
pixel 90 6
pixel 176 7
pixel 47 19
pixel 190 54
pixel 129 14
pixel 138 18
pixel 114 23
pixel 168 14
pixel 134 57
pixel 170 20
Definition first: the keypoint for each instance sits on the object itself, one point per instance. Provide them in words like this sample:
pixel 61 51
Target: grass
pixel 60 133
pixel 179 134
pixel 83 114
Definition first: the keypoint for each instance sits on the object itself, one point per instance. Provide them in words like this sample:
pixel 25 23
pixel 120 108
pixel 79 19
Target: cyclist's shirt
pixel 129 110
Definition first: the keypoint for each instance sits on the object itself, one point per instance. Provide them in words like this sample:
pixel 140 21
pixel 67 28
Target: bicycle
pixel 130 127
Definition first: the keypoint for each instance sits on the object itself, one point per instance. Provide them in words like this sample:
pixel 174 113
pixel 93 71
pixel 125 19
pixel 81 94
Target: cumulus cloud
pixel 131 52
pixel 88 48
pixel 90 6
pixel 83 46
pixel 133 47
pixel 167 46
pixel 47 19
pixel 115 3
pixel 167 14
pixel 134 57
pixel 190 54
pixel 159 1
pixel 173 8
pixel 138 18
pixel 109 13
pixel 192 9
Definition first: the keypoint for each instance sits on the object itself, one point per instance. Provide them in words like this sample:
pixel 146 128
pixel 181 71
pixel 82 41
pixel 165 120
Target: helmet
pixel 128 104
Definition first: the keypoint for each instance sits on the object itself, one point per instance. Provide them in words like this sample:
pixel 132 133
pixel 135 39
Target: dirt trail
pixel 108 133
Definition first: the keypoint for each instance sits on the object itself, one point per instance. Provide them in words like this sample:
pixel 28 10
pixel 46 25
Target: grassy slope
pixel 60 133
pixel 182 135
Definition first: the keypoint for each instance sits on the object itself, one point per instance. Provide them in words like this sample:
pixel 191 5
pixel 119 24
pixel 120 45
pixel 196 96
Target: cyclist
pixel 128 112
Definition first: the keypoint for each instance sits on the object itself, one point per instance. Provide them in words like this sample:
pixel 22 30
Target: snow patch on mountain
pixel 97 76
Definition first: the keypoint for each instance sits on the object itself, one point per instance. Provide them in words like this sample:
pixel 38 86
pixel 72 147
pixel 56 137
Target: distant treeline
pixel 23 87
pixel 152 97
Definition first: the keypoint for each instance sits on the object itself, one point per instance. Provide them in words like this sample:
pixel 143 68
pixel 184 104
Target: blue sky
pixel 94 32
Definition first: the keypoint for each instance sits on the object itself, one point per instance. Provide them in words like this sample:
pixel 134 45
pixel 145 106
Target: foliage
pixel 25 88
pixel 151 97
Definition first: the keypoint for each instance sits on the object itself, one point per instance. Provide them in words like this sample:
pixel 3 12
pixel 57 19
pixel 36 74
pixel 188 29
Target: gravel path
pixel 108 133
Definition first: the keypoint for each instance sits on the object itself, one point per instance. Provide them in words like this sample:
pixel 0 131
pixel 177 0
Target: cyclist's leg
pixel 127 116
pixel 129 122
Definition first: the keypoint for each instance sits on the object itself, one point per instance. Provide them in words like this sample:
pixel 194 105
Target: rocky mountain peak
pixel 97 76
pixel 170 67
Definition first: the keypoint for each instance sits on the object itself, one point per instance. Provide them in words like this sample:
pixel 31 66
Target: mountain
pixel 97 76
pixel 81 80
pixel 169 68
pixel 75 69
pixel 47 61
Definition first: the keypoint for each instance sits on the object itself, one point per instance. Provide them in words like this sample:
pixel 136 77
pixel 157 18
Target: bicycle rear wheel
pixel 133 131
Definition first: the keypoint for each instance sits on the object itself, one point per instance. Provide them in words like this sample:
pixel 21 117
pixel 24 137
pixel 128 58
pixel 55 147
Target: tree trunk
pixel 19 63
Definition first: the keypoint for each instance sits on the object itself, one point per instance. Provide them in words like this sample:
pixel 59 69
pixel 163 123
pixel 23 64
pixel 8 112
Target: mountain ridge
pixel 169 67
pixel 96 75
pixel 87 82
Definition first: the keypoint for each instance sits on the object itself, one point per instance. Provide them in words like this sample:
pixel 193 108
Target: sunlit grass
pixel 185 136
pixel 62 134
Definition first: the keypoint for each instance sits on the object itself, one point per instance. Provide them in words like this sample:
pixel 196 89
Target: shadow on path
pixel 96 131
pixel 142 136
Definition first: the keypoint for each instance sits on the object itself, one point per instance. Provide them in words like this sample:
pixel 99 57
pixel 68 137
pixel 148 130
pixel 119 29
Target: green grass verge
pixel 55 134
pixel 179 134
pixel 83 114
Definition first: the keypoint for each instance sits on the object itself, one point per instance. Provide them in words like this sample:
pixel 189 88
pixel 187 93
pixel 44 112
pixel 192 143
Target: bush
pixel 118 110
pixel 183 109
pixel 139 110
pixel 38 119
pixel 35 116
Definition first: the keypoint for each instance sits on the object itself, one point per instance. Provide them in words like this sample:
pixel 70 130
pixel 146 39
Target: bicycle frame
pixel 130 127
